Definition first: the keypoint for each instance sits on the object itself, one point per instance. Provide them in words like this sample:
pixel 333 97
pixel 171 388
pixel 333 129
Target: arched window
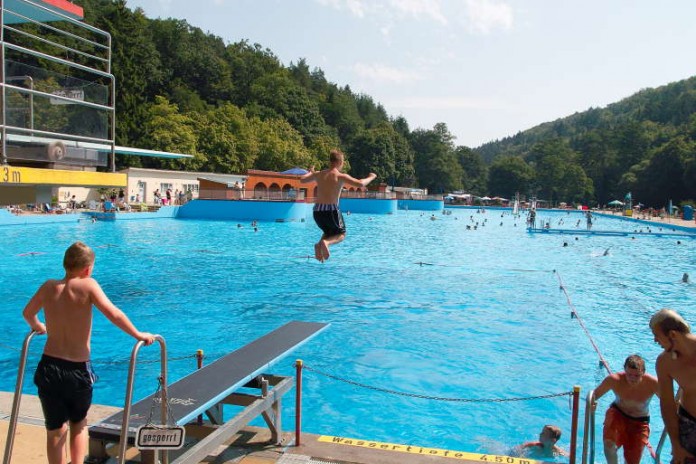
pixel 260 190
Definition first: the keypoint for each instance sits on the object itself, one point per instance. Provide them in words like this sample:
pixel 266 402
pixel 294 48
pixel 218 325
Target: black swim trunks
pixel 329 219
pixel 65 390
pixel 687 430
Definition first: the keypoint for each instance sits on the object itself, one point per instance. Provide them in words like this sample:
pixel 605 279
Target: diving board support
pixel 264 405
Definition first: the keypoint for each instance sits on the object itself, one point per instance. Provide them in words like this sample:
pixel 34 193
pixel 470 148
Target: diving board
pixel 614 233
pixel 205 391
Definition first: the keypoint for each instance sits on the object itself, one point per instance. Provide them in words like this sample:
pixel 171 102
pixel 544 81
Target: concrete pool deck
pixel 249 446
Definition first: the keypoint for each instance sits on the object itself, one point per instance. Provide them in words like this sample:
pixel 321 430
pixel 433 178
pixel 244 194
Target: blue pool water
pixel 484 319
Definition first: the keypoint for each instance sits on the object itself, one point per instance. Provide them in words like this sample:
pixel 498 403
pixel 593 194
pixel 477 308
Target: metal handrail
pixel 12 427
pixel 588 439
pixel 123 445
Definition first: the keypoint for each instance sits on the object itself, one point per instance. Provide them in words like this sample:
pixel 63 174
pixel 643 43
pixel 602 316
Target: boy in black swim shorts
pixel 64 376
pixel 326 213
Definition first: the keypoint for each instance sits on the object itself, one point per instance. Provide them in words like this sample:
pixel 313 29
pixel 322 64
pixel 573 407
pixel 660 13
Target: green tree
pixel 165 129
pixel 437 167
pixel 475 177
pixel 508 175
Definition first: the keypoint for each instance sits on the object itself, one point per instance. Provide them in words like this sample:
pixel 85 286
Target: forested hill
pixel 645 144
pixel 235 106
pixel 670 106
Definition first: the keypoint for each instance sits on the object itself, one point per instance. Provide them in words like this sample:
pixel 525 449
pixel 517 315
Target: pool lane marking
pixel 423 451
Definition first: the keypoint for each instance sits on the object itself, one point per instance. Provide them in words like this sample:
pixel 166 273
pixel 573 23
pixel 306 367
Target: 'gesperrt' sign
pixel 150 437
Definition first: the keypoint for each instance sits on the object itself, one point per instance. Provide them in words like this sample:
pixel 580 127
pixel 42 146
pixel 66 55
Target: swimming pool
pixel 416 305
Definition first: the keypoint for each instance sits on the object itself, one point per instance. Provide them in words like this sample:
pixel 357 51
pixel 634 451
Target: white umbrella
pixel 615 203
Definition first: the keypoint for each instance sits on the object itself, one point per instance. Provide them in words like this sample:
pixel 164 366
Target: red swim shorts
pixel 633 434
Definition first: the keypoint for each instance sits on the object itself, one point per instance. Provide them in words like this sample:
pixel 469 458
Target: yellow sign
pixel 35 176
pixel 435 452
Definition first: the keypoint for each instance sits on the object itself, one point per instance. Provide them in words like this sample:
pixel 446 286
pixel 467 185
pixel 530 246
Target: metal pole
pixel 17 397
pixel 298 402
pixel 199 359
pixel 3 115
pixel 574 423
pixel 123 445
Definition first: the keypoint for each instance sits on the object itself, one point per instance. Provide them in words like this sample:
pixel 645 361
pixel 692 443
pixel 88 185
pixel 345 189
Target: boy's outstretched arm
pixel 115 315
pixel 308 177
pixel 31 311
pixel 352 181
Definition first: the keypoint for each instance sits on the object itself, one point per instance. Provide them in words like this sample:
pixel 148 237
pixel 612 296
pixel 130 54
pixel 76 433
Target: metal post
pixel 3 115
pixel 199 360
pixel 123 445
pixel 574 423
pixel 298 402
pixel 589 435
pixel 17 397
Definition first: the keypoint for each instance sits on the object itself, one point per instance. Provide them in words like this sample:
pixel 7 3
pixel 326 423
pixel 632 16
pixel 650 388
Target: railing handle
pixel 12 427
pixel 123 445
pixel 588 439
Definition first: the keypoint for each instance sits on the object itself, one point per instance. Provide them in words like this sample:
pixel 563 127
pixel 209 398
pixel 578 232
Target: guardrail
pixel 212 194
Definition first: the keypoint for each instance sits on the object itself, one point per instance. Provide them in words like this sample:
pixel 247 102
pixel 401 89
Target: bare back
pixel 329 185
pixel 681 370
pixel 67 309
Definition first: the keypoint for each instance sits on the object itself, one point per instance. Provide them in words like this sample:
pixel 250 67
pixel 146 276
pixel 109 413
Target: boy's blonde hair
pixel 667 319
pixel 77 257
pixel 336 156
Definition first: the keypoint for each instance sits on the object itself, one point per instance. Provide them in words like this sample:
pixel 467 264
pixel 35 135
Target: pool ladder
pixel 588 440
pixel 14 416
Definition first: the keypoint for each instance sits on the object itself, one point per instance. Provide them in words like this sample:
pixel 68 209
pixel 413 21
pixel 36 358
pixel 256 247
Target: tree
pixel 280 146
pixel 475 171
pixel 165 129
pixel 437 168
pixel 508 175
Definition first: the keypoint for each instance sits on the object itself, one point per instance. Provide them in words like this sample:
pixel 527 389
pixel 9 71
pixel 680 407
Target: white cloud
pixel 388 9
pixel 486 15
pixel 420 8
pixel 383 73
pixel 445 103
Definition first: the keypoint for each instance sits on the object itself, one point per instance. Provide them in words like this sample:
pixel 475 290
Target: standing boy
pixel 677 363
pixel 627 420
pixel 326 213
pixel 64 376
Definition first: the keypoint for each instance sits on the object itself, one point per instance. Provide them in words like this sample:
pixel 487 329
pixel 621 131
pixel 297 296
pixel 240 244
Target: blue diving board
pixel 203 389
pixel 615 233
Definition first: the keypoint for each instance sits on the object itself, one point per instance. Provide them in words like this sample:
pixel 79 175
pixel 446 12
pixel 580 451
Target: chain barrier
pixel 436 398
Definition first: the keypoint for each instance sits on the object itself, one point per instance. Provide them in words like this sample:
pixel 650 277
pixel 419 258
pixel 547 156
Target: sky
pixel 486 68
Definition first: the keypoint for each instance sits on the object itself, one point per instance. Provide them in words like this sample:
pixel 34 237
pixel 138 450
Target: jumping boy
pixel 64 376
pixel 326 213
pixel 677 363
pixel 627 421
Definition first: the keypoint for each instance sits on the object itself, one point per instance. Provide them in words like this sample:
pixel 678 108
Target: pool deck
pixel 249 446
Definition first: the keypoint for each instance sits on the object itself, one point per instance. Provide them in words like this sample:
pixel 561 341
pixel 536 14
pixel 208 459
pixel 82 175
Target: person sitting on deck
pixel 627 420
pixel 546 446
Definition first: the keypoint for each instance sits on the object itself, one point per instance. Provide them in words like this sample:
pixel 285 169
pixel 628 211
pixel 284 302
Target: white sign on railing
pixel 76 94
pixel 150 437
